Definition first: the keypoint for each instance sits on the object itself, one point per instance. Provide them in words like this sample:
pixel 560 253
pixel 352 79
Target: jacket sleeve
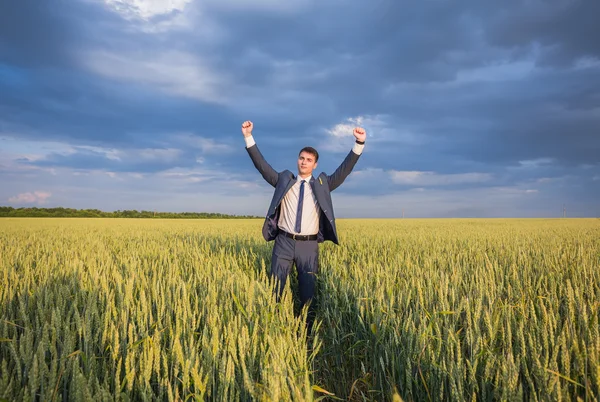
pixel 268 173
pixel 340 174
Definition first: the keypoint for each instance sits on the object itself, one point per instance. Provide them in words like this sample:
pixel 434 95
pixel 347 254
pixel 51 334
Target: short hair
pixel 310 150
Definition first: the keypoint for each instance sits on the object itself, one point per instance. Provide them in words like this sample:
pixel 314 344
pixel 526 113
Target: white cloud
pixel 379 129
pixel 546 179
pixel 156 17
pixel 273 6
pixel 12 147
pixel 221 180
pixel 146 154
pixel 367 172
pixel 149 9
pixel 345 129
pixel 146 9
pixel 553 180
pixel 191 175
pixel 159 16
pixel 535 163
pixel 206 145
pixel 13 153
pixel 498 201
pixel 109 153
pixel 508 71
pixel 419 178
pixel 587 62
pixel 158 154
pixel 174 72
pixel 182 22
pixel 36 197
pixel 373 125
pixel 120 176
pixel 173 148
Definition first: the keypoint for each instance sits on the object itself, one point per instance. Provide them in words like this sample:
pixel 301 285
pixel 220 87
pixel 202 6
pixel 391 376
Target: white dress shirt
pixel 310 207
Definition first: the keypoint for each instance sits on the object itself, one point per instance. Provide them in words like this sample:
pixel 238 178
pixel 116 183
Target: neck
pixel 306 176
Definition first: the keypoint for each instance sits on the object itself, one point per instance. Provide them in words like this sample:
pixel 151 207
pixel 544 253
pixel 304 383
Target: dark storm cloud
pixel 75 108
pixel 480 87
pixel 183 151
pixel 527 120
pixel 83 159
pixel 32 31
pixel 37 33
pixel 47 94
pixel 363 50
pixel 568 27
pixel 348 54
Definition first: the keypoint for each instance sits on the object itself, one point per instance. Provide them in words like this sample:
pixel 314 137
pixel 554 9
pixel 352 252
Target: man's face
pixel 306 163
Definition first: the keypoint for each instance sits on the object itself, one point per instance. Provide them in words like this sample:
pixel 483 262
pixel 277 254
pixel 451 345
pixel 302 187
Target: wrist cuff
pixel 249 141
pixel 358 148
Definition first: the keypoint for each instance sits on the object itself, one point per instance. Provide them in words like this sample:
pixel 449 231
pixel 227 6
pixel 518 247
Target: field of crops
pixel 132 309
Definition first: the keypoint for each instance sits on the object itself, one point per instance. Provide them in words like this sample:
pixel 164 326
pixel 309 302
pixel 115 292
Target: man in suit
pixel 301 213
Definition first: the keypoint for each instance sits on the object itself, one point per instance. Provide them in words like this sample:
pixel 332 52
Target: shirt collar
pixel 308 179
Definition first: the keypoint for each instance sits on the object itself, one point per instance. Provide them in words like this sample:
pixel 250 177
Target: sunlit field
pixel 142 309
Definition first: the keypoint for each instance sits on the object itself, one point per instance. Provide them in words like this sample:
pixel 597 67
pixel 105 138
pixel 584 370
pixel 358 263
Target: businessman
pixel 301 214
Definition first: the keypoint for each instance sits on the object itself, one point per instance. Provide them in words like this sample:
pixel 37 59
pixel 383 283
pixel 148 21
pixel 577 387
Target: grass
pixel 454 309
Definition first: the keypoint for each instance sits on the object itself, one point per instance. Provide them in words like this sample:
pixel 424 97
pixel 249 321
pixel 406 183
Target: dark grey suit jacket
pixel 321 187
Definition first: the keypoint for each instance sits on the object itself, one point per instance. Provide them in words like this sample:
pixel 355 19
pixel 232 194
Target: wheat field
pixel 407 309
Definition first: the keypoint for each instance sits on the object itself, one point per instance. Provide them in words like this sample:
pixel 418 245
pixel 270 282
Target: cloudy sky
pixel 472 108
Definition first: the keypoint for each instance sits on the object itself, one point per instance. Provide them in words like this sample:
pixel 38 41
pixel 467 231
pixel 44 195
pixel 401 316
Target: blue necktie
pixel 299 211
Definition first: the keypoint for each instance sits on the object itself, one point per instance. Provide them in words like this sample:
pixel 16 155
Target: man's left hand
pixel 360 134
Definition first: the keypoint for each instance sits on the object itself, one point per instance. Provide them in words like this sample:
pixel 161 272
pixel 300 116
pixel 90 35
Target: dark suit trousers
pixel 305 254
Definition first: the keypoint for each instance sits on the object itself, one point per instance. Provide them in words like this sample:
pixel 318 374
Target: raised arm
pixel 340 174
pixel 268 173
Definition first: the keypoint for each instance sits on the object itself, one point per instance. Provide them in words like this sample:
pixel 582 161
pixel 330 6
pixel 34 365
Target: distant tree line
pixel 60 212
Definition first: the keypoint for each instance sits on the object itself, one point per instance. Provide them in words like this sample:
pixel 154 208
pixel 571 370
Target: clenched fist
pixel 247 128
pixel 360 134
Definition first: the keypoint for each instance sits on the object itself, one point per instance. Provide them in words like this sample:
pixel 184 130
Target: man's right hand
pixel 247 128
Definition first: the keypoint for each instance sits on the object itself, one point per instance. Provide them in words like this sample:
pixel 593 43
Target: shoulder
pixel 323 179
pixel 286 174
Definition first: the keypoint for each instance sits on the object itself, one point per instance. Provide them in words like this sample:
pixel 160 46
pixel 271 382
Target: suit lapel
pixel 319 192
pixel 289 185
